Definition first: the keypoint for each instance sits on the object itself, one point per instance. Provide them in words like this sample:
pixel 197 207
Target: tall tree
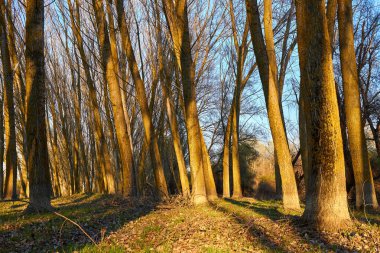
pixel 326 201
pixel 266 62
pixel 364 186
pixel 167 96
pixel 1 148
pixel 103 154
pixel 177 18
pixel 109 67
pixel 150 136
pixel 9 112
pixel 37 157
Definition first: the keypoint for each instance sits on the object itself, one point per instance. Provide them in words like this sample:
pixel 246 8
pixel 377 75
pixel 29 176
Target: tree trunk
pixel 177 18
pixel 1 149
pixel 267 71
pixel 109 66
pixel 9 114
pixel 207 170
pixel 103 155
pixel 350 182
pixel 176 141
pixel 226 157
pixel 376 137
pixel 142 99
pixel 304 145
pixel 38 160
pixel 173 124
pixel 364 186
pixel 236 179
pixel 326 198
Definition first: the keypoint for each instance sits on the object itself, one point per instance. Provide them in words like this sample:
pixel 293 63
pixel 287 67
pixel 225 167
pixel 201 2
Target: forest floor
pixel 114 224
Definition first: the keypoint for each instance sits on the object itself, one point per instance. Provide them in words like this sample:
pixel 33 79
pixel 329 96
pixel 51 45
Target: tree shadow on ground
pixel 290 230
pixel 368 215
pixel 97 215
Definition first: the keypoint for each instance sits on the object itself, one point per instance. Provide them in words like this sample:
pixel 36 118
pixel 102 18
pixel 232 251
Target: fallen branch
pixel 76 224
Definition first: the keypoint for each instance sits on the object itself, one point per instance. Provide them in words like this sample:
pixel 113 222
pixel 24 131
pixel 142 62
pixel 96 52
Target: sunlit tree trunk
pixel 38 161
pixel 103 155
pixel 128 171
pixel 236 179
pixel 173 124
pixel 177 18
pixel 77 161
pixel 331 11
pixel 55 168
pixel 176 142
pixel 19 84
pixel 9 113
pixel 109 67
pixel 207 170
pixel 150 136
pixel 226 157
pixel 79 130
pixel 1 148
pixel 232 128
pixel 19 94
pixel 326 199
pixel 364 187
pixel 268 73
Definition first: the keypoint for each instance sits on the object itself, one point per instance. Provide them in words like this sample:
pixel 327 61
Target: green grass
pixel 101 248
pixel 97 214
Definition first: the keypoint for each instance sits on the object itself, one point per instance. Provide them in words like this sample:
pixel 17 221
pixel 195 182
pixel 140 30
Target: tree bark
pixel 364 186
pixel 9 113
pixel 1 148
pixel 38 160
pixel 326 199
pixel 267 71
pixel 143 102
pixel 109 66
pixel 207 170
pixel 102 155
pixel 173 124
pixel 226 157
pixel 177 18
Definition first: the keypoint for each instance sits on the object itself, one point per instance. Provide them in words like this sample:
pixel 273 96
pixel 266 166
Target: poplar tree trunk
pixel 236 179
pixel 9 113
pixel 109 67
pixel 115 59
pixel 19 86
pixel 226 157
pixel 150 136
pixel 304 145
pixel 241 49
pixel 267 70
pixel 173 124
pixel 364 186
pixel 1 148
pixel 176 143
pixel 177 18
pixel 326 199
pixel 102 152
pixel 55 167
pixel 207 170
pixel 38 160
